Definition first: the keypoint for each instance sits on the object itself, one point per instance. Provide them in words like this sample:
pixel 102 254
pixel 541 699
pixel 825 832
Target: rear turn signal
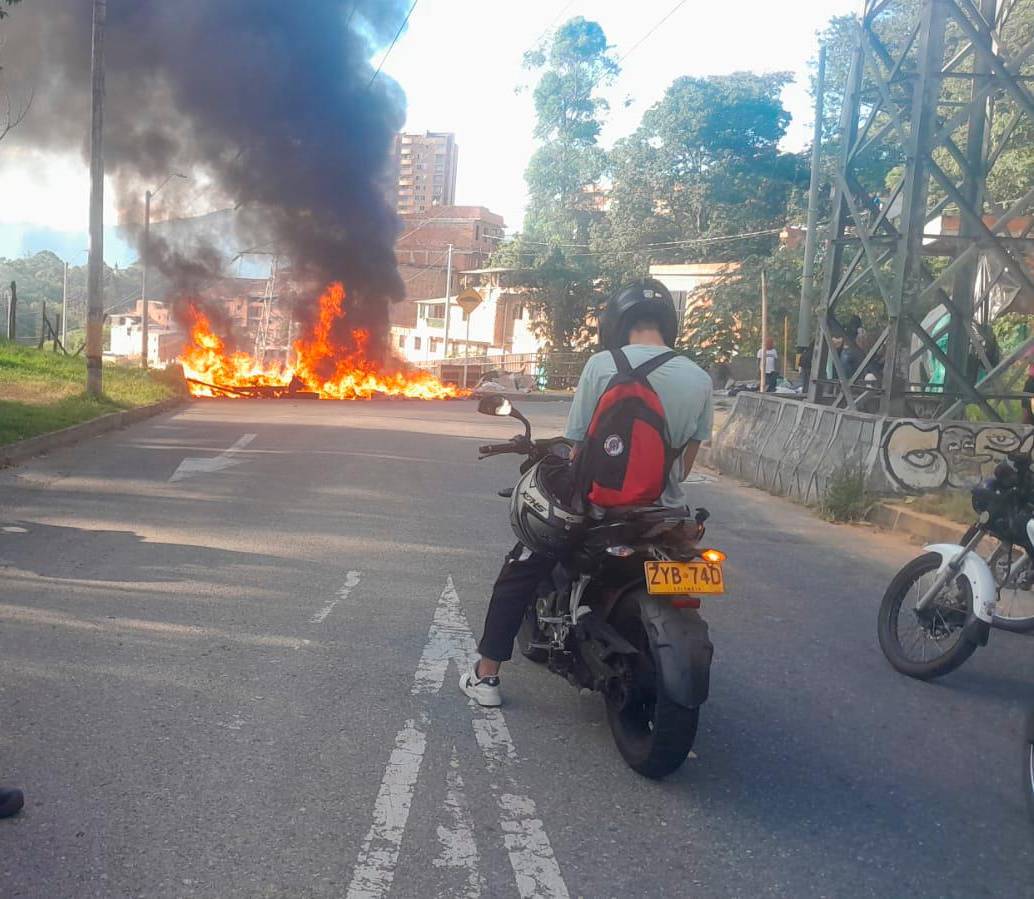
pixel 712 555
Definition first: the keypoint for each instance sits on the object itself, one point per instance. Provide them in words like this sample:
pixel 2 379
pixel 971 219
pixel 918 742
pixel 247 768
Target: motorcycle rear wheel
pixel 1014 610
pixel 936 635
pixel 529 634
pixel 653 734
pixel 1028 765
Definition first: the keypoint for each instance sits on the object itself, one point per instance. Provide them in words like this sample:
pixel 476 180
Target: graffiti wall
pixel 922 456
pixel 791 448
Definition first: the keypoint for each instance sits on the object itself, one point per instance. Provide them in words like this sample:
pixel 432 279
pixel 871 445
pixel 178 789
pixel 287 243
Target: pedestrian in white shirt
pixel 771 364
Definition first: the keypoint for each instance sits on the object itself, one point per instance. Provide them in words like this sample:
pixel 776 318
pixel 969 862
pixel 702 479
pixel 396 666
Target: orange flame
pixel 212 371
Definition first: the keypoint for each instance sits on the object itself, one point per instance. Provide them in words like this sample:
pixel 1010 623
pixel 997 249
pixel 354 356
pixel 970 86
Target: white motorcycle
pixel 942 605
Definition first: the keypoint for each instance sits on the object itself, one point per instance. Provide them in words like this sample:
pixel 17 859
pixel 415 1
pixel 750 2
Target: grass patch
pixel 956 505
pixel 42 391
pixel 846 498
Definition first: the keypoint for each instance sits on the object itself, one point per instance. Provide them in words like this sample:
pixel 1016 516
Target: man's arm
pixel 689 457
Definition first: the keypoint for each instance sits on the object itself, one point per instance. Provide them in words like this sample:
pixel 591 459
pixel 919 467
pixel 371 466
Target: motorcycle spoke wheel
pixel 932 642
pixel 1015 607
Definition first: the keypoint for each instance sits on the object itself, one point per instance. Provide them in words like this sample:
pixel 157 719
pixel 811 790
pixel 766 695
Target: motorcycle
pixel 942 605
pixel 620 614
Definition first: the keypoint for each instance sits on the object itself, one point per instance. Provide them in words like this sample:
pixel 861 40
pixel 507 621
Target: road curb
pixel 927 528
pixel 13 453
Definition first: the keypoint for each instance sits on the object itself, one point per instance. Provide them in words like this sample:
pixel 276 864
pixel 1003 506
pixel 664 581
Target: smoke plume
pixel 267 104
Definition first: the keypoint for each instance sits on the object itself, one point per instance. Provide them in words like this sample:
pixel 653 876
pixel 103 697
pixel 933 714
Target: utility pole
pixel 811 238
pixel 145 312
pixel 145 318
pixel 764 330
pixel 95 277
pixel 64 309
pixel 448 293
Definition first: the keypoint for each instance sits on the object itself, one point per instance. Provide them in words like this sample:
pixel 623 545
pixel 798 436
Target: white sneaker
pixel 484 690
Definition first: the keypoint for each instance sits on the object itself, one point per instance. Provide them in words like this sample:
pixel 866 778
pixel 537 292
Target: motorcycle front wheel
pixel 653 734
pixel 1028 765
pixel 930 643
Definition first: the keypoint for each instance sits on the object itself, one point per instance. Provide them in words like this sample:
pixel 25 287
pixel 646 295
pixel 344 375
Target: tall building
pixel 426 165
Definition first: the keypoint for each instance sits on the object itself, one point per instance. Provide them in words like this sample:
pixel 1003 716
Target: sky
pixel 460 64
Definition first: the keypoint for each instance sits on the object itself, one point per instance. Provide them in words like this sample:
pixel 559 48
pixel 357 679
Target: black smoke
pixel 268 104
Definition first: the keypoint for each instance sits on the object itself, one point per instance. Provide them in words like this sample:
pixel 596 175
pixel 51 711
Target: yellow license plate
pixel 684 577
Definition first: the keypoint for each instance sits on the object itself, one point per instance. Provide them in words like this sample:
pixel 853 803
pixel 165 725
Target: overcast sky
pixel 460 61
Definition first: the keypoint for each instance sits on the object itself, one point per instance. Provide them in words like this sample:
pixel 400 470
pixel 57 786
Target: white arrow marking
pixel 351 582
pixel 459 849
pixel 531 855
pixel 188 468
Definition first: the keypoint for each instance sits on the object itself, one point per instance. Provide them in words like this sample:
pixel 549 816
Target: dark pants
pixel 515 588
pixel 770 381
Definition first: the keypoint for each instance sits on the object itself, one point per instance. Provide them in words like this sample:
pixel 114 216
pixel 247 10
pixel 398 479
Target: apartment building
pixel 426 166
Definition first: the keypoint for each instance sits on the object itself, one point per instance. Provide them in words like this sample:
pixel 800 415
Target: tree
pixel 704 163
pixel 563 175
pixel 11 115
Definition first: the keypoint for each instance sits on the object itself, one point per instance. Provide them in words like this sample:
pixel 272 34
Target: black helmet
pixel 645 298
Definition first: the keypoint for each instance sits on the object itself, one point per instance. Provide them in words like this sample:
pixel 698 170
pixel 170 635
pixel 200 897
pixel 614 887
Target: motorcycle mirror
pixel 495 405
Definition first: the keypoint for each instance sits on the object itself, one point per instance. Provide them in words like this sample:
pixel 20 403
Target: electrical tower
pixel 943 90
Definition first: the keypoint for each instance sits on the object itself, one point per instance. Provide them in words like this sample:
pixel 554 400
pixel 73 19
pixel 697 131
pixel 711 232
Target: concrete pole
pixel 145 318
pixel 64 310
pixel 448 293
pixel 764 329
pixel 466 351
pixel 811 238
pixel 95 277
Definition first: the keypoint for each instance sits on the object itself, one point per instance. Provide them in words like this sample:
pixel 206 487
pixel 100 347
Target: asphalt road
pixel 227 668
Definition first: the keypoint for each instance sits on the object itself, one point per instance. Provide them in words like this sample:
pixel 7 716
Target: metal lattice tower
pixel 943 255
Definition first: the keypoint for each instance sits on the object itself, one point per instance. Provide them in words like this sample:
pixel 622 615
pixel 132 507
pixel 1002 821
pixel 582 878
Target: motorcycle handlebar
pixel 494 449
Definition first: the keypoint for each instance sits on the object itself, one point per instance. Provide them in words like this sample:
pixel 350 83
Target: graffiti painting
pixel 923 456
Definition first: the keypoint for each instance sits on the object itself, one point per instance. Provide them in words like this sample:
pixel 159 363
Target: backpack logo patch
pixel 613 445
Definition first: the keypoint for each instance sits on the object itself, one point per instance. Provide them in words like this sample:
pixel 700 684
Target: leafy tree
pixel 562 177
pixel 705 162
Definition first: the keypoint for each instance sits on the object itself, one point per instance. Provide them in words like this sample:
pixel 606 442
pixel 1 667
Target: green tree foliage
pixel 562 178
pixel 40 279
pixel 704 163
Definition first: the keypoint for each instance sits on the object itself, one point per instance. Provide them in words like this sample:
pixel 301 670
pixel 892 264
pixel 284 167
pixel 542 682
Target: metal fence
pixel 544 371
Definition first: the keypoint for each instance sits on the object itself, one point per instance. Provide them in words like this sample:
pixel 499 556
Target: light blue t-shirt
pixel 684 389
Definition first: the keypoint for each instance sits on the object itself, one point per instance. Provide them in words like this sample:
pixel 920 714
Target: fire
pixel 211 370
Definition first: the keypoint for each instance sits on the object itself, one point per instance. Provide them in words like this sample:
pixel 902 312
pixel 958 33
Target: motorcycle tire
pixel 653 734
pixel 891 609
pixel 1028 765
pixel 1014 624
pixel 527 635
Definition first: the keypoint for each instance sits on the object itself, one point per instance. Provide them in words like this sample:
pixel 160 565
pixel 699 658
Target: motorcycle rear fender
pixel 682 649
pixel 977 572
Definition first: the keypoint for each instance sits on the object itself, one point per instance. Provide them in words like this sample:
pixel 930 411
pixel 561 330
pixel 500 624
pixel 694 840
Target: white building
pixel 501 325
pixel 163 343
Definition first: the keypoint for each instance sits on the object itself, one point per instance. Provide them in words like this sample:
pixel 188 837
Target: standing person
pixel 1028 401
pixel 771 365
pixel 640 324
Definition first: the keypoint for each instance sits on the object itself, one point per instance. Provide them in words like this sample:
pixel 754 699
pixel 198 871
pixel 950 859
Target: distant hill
pixel 20 239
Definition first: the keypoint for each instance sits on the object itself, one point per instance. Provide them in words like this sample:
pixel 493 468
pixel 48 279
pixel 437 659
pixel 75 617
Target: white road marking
pixel 459 849
pixel 12 529
pixel 351 582
pixel 190 467
pixel 379 854
pixel 531 856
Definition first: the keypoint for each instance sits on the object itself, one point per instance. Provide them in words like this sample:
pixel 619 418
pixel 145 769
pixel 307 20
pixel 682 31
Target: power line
pixel 636 45
pixel 391 46
pixel 554 20
pixel 746 235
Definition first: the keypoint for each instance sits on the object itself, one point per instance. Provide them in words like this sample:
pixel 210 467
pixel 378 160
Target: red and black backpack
pixel 627 454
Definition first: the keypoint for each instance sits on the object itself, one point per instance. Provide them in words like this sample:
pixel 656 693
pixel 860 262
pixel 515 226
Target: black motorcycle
pixel 619 615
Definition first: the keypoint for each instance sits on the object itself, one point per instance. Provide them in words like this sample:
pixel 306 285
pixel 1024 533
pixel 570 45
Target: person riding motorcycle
pixel 639 320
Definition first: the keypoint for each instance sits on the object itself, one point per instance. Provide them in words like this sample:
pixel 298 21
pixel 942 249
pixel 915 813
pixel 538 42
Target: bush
pixel 846 498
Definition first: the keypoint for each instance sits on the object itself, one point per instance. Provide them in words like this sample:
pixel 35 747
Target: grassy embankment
pixel 41 391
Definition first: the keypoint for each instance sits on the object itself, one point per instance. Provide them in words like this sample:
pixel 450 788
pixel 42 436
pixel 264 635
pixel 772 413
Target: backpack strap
pixel 651 365
pixel 621 362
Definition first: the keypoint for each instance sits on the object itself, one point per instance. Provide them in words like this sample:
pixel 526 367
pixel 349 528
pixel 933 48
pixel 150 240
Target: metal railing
pixel 546 371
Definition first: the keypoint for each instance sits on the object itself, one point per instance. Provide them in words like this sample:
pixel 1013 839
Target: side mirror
pixel 495 405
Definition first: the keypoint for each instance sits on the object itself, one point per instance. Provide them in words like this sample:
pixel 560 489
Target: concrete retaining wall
pixel 791 448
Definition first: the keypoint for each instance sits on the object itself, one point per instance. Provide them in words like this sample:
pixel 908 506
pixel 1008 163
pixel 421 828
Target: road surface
pixel 227 668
